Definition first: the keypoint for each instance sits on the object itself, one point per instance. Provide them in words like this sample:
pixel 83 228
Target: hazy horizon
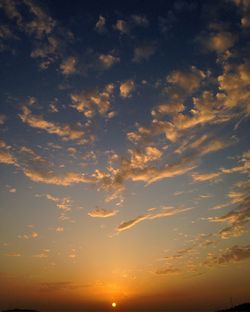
pixel 124 155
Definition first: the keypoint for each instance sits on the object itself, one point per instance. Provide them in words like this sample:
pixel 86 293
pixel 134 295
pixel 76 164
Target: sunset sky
pixel 124 155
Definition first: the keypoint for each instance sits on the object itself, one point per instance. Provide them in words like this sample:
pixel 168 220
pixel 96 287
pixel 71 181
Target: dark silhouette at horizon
pixel 20 310
pixel 244 307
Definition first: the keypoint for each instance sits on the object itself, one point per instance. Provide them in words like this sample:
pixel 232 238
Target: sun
pixel 113 304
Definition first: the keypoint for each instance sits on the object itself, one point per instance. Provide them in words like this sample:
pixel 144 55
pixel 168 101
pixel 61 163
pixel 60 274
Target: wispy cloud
pixel 237 220
pixel 164 212
pixel 66 131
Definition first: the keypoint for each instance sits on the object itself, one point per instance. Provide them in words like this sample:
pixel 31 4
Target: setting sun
pixel 113 304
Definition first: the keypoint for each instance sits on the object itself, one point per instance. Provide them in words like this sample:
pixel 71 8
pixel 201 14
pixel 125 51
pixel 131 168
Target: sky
pixel 124 155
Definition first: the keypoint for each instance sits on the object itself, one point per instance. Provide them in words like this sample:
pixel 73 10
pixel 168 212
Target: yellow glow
pixel 113 304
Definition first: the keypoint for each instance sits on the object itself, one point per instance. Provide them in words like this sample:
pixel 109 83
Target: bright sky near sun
pixel 124 154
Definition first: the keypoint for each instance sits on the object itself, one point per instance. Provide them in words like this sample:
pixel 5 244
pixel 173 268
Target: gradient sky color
pixel 124 155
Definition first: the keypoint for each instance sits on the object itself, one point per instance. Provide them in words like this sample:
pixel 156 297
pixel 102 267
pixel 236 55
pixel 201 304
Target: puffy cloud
pixel 61 203
pixel 202 177
pixel 140 159
pixel 122 26
pixel 167 109
pixel 140 20
pixel 221 41
pixel 53 107
pixel 2 119
pixel 126 88
pixel 12 190
pixel 187 80
pixel 233 254
pixel 67 132
pixel 91 101
pixel 59 229
pixel 68 66
pixel 245 9
pixel 42 24
pixel 234 86
pixel 100 24
pixel 102 213
pixel 237 220
pixel 7 158
pixel 108 60
pixel 164 212
pixel 143 53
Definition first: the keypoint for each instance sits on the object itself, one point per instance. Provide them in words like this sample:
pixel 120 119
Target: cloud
pixel 60 286
pixel 13 254
pixel 126 88
pixel 237 220
pixel 66 132
pixel 7 158
pixel 68 66
pixel 202 177
pixel 39 169
pixel 140 20
pixel 2 119
pixel 100 24
pixel 153 174
pixel 46 177
pixel 59 229
pixel 167 109
pixel 232 254
pixel 102 213
pixel 244 166
pixel 220 42
pixel 186 80
pixel 244 9
pixel 64 203
pixel 90 102
pixel 108 60
pixel 32 20
pixel 165 212
pixel 42 24
pixel 12 190
pixel 167 271
pixel 140 159
pixel 143 53
pixel 121 26
pixel 234 83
